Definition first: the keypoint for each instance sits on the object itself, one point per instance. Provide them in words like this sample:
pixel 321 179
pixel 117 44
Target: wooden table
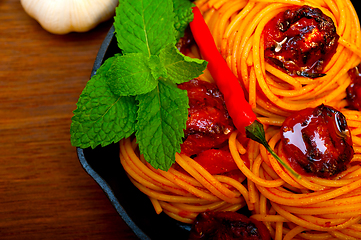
pixel 44 191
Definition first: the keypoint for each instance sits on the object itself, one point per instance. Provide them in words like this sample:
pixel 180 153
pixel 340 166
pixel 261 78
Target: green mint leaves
pixel 136 92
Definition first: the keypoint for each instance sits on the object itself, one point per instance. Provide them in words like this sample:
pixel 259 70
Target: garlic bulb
pixel 64 16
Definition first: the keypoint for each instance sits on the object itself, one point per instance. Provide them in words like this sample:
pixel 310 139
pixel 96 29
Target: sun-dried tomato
pixel 227 226
pixel 353 91
pixel 300 41
pixel 208 123
pixel 317 141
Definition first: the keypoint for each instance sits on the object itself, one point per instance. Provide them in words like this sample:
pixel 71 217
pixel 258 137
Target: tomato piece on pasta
pixel 217 161
pixel 318 141
pixel 227 226
pixel 208 123
pixel 354 89
pixel 300 41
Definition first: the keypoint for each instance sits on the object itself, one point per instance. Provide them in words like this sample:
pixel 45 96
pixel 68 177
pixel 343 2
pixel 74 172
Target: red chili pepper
pixel 226 81
pixel 238 108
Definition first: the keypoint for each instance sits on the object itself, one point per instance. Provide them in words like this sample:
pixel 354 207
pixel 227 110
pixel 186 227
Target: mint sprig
pixel 136 92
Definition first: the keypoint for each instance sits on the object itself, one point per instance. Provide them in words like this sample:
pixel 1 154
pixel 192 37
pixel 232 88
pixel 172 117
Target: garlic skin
pixel 64 16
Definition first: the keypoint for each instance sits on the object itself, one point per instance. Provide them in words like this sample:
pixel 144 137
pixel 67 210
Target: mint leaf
pixel 157 67
pixel 130 75
pixel 101 117
pixel 144 26
pixel 180 68
pixel 162 116
pixel 183 16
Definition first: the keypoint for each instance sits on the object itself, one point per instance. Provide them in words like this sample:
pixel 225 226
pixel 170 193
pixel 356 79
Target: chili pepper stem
pixel 255 131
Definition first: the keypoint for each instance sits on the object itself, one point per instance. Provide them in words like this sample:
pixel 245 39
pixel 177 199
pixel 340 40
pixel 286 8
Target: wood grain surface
pixel 44 191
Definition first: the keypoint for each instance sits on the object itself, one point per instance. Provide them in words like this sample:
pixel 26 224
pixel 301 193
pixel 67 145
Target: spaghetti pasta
pixel 291 208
